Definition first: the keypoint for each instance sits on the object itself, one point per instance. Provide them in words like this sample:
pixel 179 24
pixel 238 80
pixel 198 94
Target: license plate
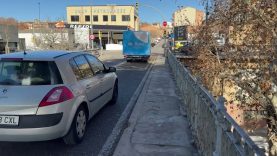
pixel 9 120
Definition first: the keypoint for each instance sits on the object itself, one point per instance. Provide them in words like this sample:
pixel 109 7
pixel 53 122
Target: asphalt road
pixel 99 128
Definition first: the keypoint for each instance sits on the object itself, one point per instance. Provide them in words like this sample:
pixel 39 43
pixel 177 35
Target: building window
pixel 113 18
pixel 125 17
pixel 95 18
pixel 74 18
pixel 87 18
pixel 105 18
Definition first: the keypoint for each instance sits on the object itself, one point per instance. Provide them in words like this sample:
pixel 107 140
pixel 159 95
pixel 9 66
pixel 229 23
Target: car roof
pixel 36 55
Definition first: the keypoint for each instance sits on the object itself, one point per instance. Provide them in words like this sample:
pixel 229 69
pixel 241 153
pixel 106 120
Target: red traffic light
pixel 164 23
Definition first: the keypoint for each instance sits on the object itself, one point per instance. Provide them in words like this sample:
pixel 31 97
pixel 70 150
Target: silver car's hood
pixel 21 100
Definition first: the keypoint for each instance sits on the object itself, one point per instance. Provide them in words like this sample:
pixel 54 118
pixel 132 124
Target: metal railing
pixel 216 132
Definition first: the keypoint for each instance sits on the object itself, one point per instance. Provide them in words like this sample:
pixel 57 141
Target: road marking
pixel 119 64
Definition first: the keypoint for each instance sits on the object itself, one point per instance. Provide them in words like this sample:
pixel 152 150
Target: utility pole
pixel 137 6
pixel 39 11
pixel 100 38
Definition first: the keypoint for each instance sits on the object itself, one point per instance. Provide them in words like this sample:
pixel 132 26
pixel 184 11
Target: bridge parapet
pixel 216 132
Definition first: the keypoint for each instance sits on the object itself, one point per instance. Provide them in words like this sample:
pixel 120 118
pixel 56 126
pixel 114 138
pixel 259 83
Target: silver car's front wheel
pixel 78 127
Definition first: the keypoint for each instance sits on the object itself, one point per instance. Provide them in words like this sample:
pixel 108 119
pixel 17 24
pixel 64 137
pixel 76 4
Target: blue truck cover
pixel 136 45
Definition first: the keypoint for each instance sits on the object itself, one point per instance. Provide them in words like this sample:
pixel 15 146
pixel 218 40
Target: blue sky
pixel 27 10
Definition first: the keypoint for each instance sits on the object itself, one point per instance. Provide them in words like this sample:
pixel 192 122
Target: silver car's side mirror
pixel 112 69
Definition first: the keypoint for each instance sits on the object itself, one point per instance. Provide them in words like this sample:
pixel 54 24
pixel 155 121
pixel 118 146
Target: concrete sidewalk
pixel 110 55
pixel 157 125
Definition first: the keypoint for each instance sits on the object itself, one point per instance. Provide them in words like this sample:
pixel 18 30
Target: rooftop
pixel 97 5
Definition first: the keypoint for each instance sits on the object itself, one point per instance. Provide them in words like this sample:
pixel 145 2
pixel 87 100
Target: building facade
pixel 8 38
pixel 105 22
pixel 188 16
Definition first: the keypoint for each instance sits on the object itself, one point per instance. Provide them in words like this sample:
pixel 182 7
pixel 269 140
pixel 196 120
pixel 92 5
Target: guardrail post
pixel 219 107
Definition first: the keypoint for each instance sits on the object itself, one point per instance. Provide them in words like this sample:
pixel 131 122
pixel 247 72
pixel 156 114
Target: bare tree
pixel 7 48
pixel 248 58
pixel 52 39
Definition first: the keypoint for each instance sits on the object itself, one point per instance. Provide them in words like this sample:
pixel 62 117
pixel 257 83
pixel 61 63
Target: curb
pixel 127 132
pixel 110 144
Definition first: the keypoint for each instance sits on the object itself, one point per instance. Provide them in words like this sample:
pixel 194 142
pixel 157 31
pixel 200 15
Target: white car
pixel 52 94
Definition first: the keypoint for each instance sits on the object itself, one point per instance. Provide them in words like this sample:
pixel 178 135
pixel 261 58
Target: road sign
pixel 164 23
pixel 91 37
pixel 180 33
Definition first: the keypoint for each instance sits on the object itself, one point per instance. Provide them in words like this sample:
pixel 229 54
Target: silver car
pixel 52 94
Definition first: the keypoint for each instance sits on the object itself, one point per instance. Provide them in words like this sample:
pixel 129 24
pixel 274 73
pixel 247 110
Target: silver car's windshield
pixel 29 73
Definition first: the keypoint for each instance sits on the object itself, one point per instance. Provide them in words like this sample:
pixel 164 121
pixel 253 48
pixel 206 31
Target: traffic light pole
pixel 165 46
pixel 165 43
